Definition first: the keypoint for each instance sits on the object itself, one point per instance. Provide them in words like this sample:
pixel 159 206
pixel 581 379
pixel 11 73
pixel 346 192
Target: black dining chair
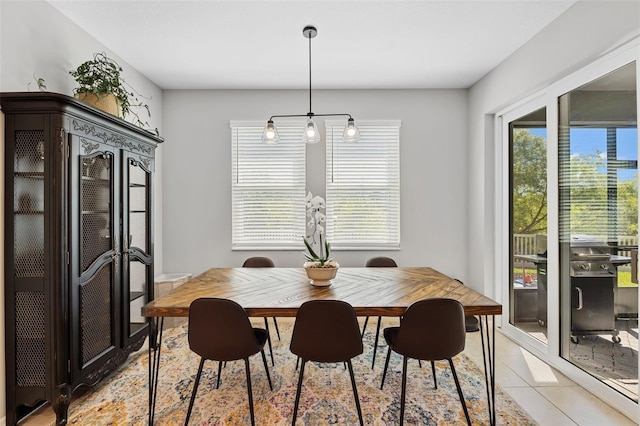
pixel 377 262
pixel 471 322
pixel 326 331
pixel 264 262
pixel 220 330
pixel 433 330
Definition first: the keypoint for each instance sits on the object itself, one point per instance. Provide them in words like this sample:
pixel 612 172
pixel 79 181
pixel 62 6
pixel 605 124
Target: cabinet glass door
pixel 137 242
pixel 95 231
pixel 29 263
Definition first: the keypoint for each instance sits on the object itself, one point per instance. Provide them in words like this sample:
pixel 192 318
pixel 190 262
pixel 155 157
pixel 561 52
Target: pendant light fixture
pixel 311 133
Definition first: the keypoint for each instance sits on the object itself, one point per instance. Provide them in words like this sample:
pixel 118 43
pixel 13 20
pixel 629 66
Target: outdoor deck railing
pixel 526 243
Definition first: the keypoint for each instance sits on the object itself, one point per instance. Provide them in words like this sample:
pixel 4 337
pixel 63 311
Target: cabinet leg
pixel 61 405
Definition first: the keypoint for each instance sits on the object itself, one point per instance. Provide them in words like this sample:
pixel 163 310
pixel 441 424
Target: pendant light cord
pixel 310 110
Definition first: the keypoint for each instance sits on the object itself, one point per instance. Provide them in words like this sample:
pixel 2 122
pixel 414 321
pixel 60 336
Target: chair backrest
pixel 381 262
pixel 432 329
pixel 258 262
pixel 220 330
pixel 326 331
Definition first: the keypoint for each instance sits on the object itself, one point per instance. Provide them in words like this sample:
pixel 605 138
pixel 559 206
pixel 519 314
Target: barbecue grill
pixel 590 257
pixel 593 277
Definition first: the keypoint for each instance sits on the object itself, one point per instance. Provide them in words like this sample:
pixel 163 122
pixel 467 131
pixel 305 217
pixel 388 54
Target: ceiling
pixel 226 44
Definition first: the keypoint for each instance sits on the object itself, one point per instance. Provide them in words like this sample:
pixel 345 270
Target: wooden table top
pixel 281 291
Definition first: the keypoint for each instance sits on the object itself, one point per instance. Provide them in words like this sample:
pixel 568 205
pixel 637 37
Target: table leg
pixel 155 344
pixel 489 359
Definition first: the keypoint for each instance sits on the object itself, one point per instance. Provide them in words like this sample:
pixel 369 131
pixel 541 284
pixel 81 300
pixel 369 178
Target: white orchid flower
pixel 316 218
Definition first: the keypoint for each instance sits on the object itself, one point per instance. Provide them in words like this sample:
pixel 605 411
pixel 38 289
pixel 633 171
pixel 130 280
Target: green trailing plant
pixel 42 86
pixel 102 75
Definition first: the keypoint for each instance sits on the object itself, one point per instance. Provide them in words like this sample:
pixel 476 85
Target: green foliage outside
pixel 529 183
pixel 586 179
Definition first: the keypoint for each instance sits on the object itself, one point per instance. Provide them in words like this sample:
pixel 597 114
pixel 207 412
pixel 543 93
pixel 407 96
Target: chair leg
pixel 266 325
pixel 266 368
pixel 433 370
pixel 246 367
pixel 276 324
pixel 386 365
pixel 375 343
pixel 403 392
pixel 364 327
pixel 298 391
pixel 355 392
pixel 219 373
pixel 195 389
pixel 464 404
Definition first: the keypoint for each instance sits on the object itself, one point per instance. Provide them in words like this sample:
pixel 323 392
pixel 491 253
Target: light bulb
pixel 311 132
pixel 270 134
pixel 351 132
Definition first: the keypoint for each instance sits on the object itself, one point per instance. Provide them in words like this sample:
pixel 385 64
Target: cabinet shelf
pixel 137 211
pixel 105 182
pixel 88 212
pixel 133 295
pixel 30 175
pixel 29 212
pixel 134 327
pixel 137 185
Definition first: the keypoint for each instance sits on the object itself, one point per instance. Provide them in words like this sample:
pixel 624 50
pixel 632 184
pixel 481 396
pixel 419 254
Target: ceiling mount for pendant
pixel 310 31
pixel 311 133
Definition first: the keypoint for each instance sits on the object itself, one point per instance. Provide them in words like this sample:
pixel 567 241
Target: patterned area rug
pixel 326 397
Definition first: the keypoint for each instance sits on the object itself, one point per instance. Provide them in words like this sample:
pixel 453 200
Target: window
pixel 363 186
pixel 268 187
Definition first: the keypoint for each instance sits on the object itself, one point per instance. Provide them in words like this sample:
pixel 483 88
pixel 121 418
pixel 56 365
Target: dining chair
pixel 377 262
pixel 219 330
pixel 264 262
pixel 326 331
pixel 433 330
pixel 471 322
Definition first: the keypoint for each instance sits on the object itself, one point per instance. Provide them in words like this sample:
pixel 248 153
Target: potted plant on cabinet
pixel 320 268
pixel 101 85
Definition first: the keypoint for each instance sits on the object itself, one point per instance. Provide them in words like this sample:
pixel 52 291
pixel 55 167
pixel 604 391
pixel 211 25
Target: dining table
pixel 279 292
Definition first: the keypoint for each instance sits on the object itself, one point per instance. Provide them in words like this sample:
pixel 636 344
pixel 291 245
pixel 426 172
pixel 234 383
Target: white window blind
pixel 268 187
pixel 363 186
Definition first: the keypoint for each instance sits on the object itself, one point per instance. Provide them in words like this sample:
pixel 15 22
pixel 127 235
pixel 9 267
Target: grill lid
pixel 587 248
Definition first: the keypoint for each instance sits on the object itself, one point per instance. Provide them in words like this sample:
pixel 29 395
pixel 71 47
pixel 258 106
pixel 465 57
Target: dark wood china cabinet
pixel 78 246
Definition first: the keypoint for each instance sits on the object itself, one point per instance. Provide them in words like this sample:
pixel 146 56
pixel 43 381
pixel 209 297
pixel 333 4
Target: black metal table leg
pixel 489 360
pixel 155 344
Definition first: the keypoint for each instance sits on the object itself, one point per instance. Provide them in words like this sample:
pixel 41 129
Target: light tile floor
pixel 546 394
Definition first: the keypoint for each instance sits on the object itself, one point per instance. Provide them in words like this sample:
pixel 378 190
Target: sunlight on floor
pixel 540 372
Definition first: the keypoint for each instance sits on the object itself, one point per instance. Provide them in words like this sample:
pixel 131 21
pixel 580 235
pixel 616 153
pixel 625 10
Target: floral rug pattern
pixel 327 398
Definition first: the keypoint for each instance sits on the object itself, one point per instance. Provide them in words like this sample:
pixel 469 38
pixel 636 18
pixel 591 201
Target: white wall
pixel 586 31
pixel 197 173
pixel 36 39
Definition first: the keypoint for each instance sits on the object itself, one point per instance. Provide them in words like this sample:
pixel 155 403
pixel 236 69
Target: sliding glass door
pixel 598 228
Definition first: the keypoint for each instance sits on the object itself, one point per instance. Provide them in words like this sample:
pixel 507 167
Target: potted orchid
pixel 320 266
